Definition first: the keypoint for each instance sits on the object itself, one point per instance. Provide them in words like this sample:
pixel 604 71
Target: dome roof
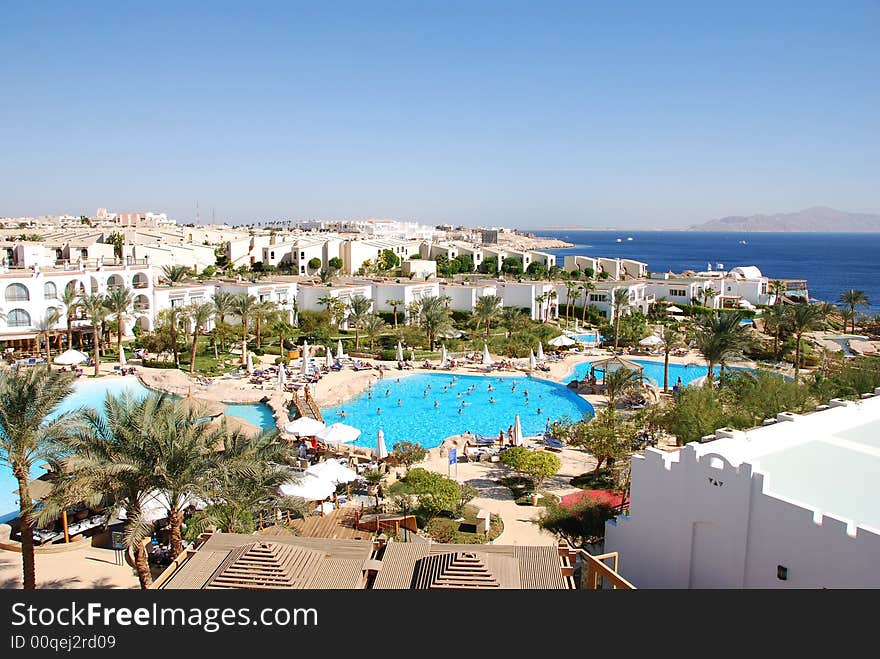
pixel 747 272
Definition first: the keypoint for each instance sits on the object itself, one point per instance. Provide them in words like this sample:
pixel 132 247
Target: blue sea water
pixel 91 393
pixel 416 419
pixel 830 262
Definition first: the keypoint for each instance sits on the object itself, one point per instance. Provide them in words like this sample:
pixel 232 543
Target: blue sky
pixel 518 114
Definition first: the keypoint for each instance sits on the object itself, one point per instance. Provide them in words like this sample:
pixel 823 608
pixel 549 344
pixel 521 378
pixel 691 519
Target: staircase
pixel 306 406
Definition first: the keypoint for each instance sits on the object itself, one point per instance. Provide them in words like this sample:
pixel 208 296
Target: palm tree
pixel 433 318
pixel 174 274
pixel 551 296
pixel 394 303
pixel 358 308
pixel 708 295
pixel 719 335
pixel 243 306
pixel 777 288
pixel 586 288
pixel 373 326
pixel 328 302
pixel 485 310
pixel 570 286
pixel 619 382
pixel 802 318
pixel 575 294
pixel 282 329
pixel 847 315
pixel 852 299
pixel 70 300
pixel 540 300
pixel 118 301
pixel 52 317
pixel 198 315
pixel 512 319
pixel 262 312
pixel 93 305
pixel 27 397
pixel 671 340
pixel 224 305
pixel 620 300
pixel 775 322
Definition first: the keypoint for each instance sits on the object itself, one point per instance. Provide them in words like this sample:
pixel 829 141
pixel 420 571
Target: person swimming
pixel 436 403
pixel 539 411
pixel 341 413
pixel 398 380
pixel 490 388
pixel 459 410
pixel 399 403
pixel 526 392
pixel 388 392
pixel 425 393
pixel 369 395
pixel 378 410
pixel 491 400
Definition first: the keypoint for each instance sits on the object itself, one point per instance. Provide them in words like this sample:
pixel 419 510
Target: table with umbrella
pixel 338 433
pixel 652 341
pixel 71 358
pixel 304 426
pixel 560 341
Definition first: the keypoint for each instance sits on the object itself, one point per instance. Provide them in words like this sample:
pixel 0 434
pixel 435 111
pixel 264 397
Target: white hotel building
pixel 791 504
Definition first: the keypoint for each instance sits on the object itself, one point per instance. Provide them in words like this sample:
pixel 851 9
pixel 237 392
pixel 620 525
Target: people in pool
pixel 388 392
pixel 369 395
pixel 491 400
pixel 459 410
pixel 399 403
pixel 378 410
pixel 341 413
pixel 490 388
pixel 539 411
pixel 436 403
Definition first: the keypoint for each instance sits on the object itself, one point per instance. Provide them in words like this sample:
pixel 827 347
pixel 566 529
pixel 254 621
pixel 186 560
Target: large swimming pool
pixel 91 393
pixel 653 372
pixel 434 406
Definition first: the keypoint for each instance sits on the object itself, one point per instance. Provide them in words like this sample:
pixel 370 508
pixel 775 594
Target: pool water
pixel 91 393
pixel 653 372
pixel 583 338
pixel 417 419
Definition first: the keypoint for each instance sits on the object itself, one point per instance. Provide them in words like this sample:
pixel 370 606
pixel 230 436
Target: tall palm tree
pixel 118 301
pixel 262 312
pixel 174 274
pixel 802 318
pixel 51 318
pixel 433 318
pixel 243 306
pixel 852 299
pixel 282 329
pixel 552 295
pixel 485 311
pixel 540 300
pixel 27 397
pixel 619 382
pixel 394 303
pixel 671 339
pixel 708 295
pixel 847 316
pixel 329 303
pixel 570 286
pixel 358 308
pixel 198 316
pixel 373 326
pixel 586 288
pixel 96 310
pixel 70 300
pixel 719 335
pixel 620 300
pixel 774 323
pixel 575 294
pixel 224 305
pixel 777 288
pixel 512 319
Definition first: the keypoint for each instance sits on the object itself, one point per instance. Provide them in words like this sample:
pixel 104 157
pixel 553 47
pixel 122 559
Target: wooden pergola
pixel 613 364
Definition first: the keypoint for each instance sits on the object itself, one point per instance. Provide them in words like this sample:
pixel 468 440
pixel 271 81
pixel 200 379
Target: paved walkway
pixel 83 567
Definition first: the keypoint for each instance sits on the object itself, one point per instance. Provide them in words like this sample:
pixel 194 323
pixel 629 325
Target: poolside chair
pixel 553 444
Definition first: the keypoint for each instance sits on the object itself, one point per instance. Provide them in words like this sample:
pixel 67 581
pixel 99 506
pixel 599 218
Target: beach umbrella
pixel 560 341
pixel 381 451
pixel 339 353
pixel 249 363
pixel 540 353
pixel 333 471
pixel 338 433
pixel 412 355
pixel 282 376
pixel 487 358
pixel 309 487
pixel 652 340
pixel 517 432
pixel 122 360
pixel 329 357
pixel 305 350
pixel 443 355
pixel 698 382
pixel 155 505
pixel 532 362
pixel 304 427
pixel 71 358
pixel 674 309
pixel 399 351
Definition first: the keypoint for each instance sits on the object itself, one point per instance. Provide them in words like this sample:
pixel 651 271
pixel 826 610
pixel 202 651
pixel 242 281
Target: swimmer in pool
pixel 539 411
pixel 436 403
pixel 399 402
pixel 459 410
pixel 369 395
pixel 388 392
pixel 491 400
pixel 490 388
pixel 378 410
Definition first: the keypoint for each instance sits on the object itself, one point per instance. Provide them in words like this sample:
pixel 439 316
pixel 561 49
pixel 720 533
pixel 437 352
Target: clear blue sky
pixel 520 114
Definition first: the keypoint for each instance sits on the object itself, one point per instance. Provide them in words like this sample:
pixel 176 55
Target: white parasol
pixel 282 376
pixel 333 471
pixel 329 357
pixel 305 358
pixel 532 362
pixel 517 432
pixel 250 363
pixel 338 433
pixel 309 487
pixel 443 356
pixel 540 353
pixel 381 451
pixel 487 358
pixel 412 354
pixel 122 360
pixel 399 351
pixel 652 340
pixel 560 341
pixel 71 358
pixel 674 309
pixel 304 426
pixel 339 353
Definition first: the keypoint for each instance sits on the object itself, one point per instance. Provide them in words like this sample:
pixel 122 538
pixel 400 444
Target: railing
pixel 598 572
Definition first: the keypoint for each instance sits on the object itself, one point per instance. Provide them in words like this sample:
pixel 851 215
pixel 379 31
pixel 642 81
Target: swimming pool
pixel 91 393
pixel 653 372
pixel 417 419
pixel 584 338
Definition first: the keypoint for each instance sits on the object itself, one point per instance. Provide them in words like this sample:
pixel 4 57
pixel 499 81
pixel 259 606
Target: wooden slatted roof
pixel 267 565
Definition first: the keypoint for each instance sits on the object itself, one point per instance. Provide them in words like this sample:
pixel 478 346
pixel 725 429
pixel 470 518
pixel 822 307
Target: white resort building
pixel 791 504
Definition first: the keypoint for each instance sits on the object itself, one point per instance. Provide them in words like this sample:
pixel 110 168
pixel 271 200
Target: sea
pixel 830 262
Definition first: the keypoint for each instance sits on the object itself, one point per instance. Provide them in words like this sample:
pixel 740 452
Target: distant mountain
pixel 817 219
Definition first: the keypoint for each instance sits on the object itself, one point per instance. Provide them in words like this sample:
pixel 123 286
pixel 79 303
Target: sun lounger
pixel 553 444
pixel 482 440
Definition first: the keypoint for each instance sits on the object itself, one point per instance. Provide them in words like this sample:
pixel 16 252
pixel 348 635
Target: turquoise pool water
pixel 91 393
pixel 653 371
pixel 585 338
pixel 417 419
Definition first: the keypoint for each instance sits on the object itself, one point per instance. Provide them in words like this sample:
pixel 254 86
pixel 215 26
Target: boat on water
pixel 630 238
pixel 620 240
pixel 743 242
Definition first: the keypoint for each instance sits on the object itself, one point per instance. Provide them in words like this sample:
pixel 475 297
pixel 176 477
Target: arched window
pixel 50 290
pixel 18 318
pixel 17 293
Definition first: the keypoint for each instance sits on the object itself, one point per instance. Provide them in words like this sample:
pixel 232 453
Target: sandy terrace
pixel 82 567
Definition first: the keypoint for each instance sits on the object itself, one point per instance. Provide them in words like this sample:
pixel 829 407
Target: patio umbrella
pixel 155 505
pixel 399 351
pixel 338 433
pixel 333 471
pixel 487 358
pixel 412 354
pixel 250 363
pixel 282 376
pixel 381 451
pixel 339 353
pixel 309 487
pixel 329 357
pixel 517 432
pixel 540 353
pixel 652 340
pixel 560 341
pixel 674 309
pixel 122 360
pixel 71 358
pixel 305 358
pixel 304 426
pixel 532 362
pixel 443 355
pixel 305 350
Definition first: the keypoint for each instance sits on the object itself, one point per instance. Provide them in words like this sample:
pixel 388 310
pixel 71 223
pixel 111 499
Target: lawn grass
pixel 595 480
pixel 448 529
